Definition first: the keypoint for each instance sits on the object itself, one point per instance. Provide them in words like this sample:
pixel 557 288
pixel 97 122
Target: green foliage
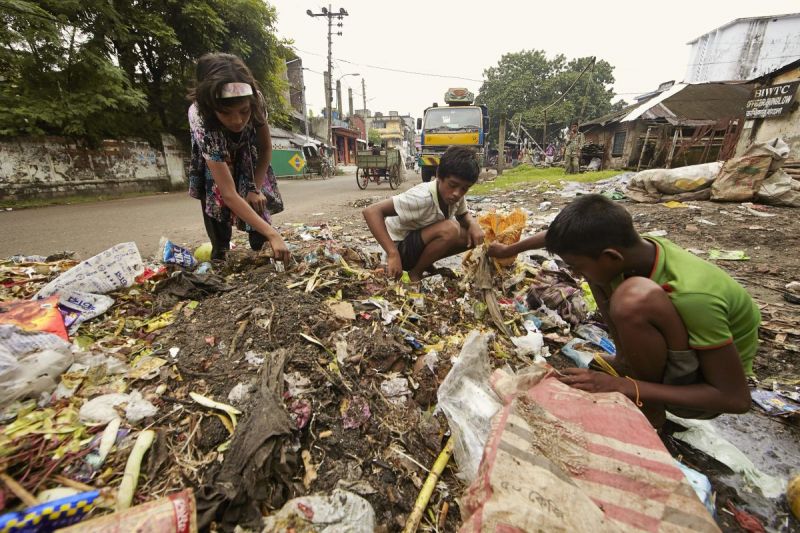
pixel 110 68
pixel 526 175
pixel 374 137
pixel 524 83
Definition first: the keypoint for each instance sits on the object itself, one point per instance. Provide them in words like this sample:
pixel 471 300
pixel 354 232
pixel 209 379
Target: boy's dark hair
pixel 212 72
pixel 589 225
pixel 459 162
pixel 573 123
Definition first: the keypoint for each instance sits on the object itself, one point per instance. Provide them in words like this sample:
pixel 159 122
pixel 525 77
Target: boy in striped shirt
pixel 429 221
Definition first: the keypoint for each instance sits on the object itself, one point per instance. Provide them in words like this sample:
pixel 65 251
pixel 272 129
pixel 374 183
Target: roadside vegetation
pixel 527 174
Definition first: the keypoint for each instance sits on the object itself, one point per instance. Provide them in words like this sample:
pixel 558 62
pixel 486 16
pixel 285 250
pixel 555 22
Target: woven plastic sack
pixel 561 459
pixel 503 228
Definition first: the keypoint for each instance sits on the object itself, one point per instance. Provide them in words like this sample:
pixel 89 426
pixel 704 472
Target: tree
pixel 524 83
pixel 111 68
pixel 58 77
pixel 374 137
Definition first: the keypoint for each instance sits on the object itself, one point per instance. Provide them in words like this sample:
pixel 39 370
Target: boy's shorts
pixel 410 249
pixel 683 368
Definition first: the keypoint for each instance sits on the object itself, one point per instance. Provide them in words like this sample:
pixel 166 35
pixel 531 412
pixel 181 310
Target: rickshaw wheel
pixel 362 179
pixel 394 176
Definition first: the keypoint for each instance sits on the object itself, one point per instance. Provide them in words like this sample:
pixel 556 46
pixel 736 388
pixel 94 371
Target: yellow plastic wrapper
pixel 503 228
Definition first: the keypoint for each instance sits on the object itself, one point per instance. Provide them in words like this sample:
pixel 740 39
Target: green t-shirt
pixel 715 309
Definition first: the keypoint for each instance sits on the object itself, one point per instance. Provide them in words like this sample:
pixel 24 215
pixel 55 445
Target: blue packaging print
pixel 49 516
pixel 172 254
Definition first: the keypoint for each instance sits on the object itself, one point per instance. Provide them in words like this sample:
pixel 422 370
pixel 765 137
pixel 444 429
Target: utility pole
pixel 350 102
pixel 364 101
pixel 339 98
pixel 501 156
pixel 330 14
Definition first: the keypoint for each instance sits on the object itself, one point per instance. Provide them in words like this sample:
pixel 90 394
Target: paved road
pixel 91 228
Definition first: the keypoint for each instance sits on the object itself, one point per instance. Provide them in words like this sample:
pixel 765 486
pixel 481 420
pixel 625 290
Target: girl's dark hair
pixel 212 72
pixel 590 224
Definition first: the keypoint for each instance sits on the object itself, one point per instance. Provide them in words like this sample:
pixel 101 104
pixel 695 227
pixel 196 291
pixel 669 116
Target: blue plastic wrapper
pixel 597 337
pixel 701 486
pixel 575 350
pixel 413 342
pixel 172 254
pixel 49 516
pixel 773 403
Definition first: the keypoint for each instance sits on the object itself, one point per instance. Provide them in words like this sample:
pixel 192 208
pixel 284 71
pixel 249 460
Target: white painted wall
pixel 50 167
pixel 744 50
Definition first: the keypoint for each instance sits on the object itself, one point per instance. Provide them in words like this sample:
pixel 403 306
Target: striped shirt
pixel 418 208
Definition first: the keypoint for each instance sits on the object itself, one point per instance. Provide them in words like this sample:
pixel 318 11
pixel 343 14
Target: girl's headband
pixel 235 90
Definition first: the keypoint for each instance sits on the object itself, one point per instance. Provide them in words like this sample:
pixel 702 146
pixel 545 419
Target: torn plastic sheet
pixel 702 435
pixel 77 307
pixel 467 400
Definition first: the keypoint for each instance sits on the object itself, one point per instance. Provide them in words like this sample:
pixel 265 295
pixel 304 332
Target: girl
pixel 231 153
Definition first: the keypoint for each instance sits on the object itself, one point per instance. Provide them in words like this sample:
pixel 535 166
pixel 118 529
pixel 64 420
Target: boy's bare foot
pixel 414 276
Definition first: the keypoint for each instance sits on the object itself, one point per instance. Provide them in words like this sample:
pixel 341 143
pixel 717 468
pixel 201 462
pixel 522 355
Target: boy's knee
pixel 448 230
pixel 634 300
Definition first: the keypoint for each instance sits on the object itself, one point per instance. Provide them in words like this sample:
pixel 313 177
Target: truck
pixel 458 123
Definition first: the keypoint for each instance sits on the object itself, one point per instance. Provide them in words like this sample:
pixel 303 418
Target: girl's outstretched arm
pixel 264 142
pixel 224 181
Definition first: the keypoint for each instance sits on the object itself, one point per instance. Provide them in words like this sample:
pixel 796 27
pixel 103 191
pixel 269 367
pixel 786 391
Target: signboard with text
pixel 772 101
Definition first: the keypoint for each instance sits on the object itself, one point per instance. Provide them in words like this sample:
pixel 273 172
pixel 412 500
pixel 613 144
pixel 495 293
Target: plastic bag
pixel 108 271
pixel 78 307
pixel 532 343
pixel 505 229
pixel 684 183
pixel 469 403
pixel 742 177
pixel 34 374
pixel 34 315
pixel 339 511
pixel 172 254
pixel 780 189
pixel 102 408
pixel 579 351
pixel 176 513
pixel 701 486
pixel 702 435
pixel 596 336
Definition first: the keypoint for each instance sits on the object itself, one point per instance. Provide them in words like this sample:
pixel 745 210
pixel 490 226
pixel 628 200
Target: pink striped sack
pixel 560 459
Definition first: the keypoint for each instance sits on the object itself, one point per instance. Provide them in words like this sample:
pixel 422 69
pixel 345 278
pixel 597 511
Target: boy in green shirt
pixel 686 332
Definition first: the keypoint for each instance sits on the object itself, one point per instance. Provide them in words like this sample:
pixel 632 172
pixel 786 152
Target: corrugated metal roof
pixel 686 104
pixel 657 99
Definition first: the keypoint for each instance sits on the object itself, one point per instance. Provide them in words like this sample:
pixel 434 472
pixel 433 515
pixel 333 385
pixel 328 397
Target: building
pixel 774 110
pixel 744 49
pixel 394 128
pixel 677 125
pixel 295 94
pixel 346 136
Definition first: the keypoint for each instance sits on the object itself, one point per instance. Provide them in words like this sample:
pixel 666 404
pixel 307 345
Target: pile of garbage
pixel 195 394
pixel 758 175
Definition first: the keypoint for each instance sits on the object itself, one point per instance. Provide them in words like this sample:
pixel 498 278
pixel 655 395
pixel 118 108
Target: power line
pixel 402 71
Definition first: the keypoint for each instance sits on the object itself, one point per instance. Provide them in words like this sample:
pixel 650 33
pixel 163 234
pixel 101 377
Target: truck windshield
pixel 450 119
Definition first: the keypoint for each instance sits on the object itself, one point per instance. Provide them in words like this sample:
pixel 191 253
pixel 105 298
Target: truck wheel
pixel 428 173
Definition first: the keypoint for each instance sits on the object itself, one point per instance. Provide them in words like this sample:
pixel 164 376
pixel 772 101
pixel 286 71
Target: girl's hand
pixel 257 201
pixel 279 248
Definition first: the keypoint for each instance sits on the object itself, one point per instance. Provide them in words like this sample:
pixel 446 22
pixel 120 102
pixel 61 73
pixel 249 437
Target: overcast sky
pixel 644 41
